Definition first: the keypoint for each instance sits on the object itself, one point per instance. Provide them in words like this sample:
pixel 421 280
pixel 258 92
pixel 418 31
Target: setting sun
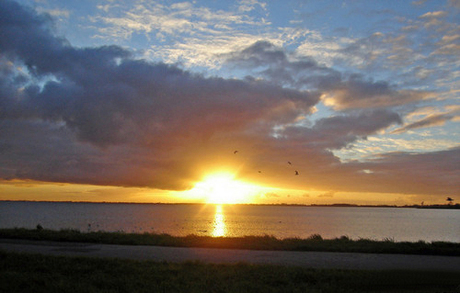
pixel 222 188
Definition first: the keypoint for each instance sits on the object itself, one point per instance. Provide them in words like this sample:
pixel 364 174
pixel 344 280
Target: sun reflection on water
pixel 219 229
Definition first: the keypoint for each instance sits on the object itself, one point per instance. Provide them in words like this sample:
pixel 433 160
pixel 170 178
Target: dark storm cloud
pixel 337 132
pixel 55 97
pixel 104 95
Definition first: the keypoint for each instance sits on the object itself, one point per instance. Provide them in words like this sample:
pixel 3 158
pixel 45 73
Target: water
pixel 399 224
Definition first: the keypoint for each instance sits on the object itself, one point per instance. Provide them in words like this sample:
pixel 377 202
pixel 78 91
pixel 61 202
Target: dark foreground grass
pixel 313 243
pixel 38 273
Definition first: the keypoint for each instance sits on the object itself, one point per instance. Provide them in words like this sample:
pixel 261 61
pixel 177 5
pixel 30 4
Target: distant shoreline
pixel 339 205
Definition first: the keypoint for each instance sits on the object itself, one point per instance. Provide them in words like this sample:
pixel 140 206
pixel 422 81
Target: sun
pixel 223 188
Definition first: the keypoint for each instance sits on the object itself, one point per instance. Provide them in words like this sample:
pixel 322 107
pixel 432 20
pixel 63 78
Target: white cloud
pixel 434 14
pixel 323 51
pixel 182 6
pixel 204 52
pixel 249 5
pixel 180 18
pixel 57 13
pixel 364 150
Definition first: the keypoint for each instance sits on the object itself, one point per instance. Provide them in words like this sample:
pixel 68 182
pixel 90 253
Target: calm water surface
pixel 400 224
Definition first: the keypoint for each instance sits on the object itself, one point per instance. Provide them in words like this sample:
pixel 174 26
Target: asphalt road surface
pixel 324 260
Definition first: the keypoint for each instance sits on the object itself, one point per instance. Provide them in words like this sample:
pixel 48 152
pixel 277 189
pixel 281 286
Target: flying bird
pixel 289 163
pixel 235 152
pixel 296 172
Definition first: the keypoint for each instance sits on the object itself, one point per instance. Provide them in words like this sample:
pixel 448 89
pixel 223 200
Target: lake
pixel 399 224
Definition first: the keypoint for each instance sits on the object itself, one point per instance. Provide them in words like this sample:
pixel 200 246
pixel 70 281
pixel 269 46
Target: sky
pixel 165 101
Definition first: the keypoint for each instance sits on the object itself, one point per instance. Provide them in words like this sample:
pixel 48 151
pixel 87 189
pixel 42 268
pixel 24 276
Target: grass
pixel 38 273
pixel 313 243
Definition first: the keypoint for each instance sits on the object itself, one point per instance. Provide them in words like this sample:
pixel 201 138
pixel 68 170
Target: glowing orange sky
pixel 201 193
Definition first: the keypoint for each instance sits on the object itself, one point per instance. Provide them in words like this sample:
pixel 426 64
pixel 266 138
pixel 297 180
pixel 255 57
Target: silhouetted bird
pixel 289 163
pixel 260 171
pixel 296 172
pixel 235 152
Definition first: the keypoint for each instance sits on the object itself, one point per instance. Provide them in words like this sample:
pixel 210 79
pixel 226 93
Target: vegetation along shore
pixel 313 243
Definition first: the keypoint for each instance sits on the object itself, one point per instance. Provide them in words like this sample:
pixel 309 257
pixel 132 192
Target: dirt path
pixel 328 260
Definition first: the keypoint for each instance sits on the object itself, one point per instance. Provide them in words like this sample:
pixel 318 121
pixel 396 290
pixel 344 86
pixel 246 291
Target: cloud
pixel 419 2
pixel 434 120
pixel 358 93
pixel 261 53
pixel 249 5
pixel 336 132
pixel 327 194
pixel 451 113
pixel 123 107
pixel 362 52
pixel 434 14
pixel 396 55
pixel 454 3
pixel 203 51
pixel 166 22
pixel 56 13
pixel 422 142
pixel 103 94
pixel 274 63
pixel 411 173
pixel 340 91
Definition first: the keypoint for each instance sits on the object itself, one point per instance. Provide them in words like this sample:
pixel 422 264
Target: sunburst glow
pixel 222 188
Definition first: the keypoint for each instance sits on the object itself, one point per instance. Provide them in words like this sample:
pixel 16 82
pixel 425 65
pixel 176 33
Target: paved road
pixel 328 260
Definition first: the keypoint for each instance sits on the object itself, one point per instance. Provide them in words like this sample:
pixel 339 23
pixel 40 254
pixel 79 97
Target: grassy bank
pixel 313 243
pixel 38 273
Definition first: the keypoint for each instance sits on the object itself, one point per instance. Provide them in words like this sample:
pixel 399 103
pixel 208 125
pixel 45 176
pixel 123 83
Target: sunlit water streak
pixel 219 223
pixel 400 224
